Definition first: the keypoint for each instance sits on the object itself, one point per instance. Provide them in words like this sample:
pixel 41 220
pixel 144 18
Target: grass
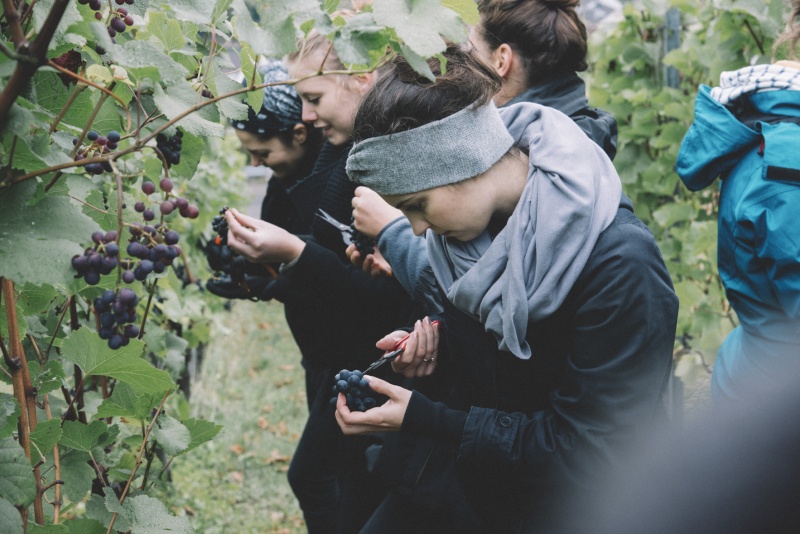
pixel 251 381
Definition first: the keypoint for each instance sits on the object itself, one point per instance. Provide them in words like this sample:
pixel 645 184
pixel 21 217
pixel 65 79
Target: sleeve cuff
pixel 433 419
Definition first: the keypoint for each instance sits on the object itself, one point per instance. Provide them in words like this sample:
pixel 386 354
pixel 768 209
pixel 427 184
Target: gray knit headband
pixel 447 151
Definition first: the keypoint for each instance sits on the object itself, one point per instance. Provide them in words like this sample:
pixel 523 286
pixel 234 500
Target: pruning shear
pixel 397 350
pixel 344 229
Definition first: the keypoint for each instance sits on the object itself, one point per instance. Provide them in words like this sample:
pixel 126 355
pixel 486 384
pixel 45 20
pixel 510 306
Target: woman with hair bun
pixel 558 312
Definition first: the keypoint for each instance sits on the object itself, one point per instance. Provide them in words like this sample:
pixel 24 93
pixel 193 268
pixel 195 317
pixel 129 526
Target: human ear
pixel 503 59
pixel 363 81
pixel 300 133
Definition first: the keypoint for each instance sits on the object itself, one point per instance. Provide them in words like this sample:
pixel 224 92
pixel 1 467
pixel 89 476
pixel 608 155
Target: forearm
pixel 407 255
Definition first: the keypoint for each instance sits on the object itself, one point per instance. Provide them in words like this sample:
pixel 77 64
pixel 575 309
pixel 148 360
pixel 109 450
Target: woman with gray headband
pixel 537 47
pixel 559 313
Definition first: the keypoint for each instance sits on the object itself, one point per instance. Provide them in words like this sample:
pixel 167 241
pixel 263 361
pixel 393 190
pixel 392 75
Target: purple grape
pixel 167 207
pixel 92 135
pixel 139 207
pixel 166 185
pixel 148 215
pixel 113 136
pixel 171 237
pixel 148 188
pixel 118 24
pixel 127 277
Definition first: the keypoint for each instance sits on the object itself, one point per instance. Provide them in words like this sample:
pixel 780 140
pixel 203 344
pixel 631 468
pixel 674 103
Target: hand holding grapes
pixel 374 263
pixel 387 417
pixel 260 241
pixel 371 213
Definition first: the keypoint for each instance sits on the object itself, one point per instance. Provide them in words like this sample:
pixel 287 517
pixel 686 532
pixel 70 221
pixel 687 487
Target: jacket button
pixel 505 421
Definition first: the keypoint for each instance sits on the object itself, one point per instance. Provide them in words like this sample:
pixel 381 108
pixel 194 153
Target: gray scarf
pixel 525 273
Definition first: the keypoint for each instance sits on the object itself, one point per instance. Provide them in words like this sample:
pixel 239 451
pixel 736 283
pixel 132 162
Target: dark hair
pixel 791 33
pixel 402 99
pixel 548 34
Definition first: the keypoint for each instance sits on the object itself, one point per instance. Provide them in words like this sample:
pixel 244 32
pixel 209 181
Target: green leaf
pixel 10 520
pixel 86 526
pixel 467 10
pixel 77 435
pixel 171 435
pixel 32 299
pixel 179 98
pixel 33 528
pixel 220 10
pixel 220 83
pixel 361 41
pixel 47 379
pixel 9 414
pixel 196 11
pixel 166 30
pixel 421 25
pixel 147 515
pixel 201 431
pixel 143 59
pixel 96 509
pixel 45 438
pixel 417 62
pixel 77 475
pixel 125 402
pixel 52 230
pixel 16 479
pixel 92 354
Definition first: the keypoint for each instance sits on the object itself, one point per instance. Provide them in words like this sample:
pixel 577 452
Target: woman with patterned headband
pixel 559 313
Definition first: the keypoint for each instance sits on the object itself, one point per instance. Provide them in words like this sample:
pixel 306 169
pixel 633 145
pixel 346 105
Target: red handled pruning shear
pixel 397 350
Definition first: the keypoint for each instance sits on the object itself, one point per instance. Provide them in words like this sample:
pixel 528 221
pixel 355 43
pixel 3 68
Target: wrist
pixel 294 248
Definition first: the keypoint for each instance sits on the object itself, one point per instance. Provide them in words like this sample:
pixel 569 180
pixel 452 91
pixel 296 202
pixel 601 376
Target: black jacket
pixel 526 432
pixel 335 311
pixel 567 94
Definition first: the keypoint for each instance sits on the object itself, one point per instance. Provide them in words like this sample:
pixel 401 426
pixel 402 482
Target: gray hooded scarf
pixel 526 272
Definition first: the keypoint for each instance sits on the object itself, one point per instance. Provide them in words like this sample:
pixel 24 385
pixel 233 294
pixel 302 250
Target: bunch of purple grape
pixel 170 147
pixel 170 203
pixel 101 258
pixel 360 397
pixel 119 21
pixel 364 244
pixel 156 247
pixel 100 144
pixel 117 315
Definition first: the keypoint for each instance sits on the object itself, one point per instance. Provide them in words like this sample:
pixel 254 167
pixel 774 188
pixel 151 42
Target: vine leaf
pixel 125 402
pixel 16 479
pixel 9 414
pixel 45 437
pixel 201 431
pixel 48 379
pixel 77 435
pixel 92 354
pixel 77 475
pixel 51 230
pixel 146 515
pixel 10 520
pixel 420 24
pixel 48 529
pixel 171 435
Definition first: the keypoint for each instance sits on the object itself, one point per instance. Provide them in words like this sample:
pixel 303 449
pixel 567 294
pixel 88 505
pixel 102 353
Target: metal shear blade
pixel 344 229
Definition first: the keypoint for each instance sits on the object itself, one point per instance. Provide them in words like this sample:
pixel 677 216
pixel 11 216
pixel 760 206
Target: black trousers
pixel 328 472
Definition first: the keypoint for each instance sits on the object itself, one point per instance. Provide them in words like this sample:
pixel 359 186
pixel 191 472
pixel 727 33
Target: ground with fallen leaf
pixel 251 381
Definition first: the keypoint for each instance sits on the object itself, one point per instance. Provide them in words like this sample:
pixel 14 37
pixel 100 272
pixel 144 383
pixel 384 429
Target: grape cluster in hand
pixel 220 226
pixel 365 245
pixel 117 315
pixel 360 397
pixel 170 147
pixel 101 258
pixel 100 144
